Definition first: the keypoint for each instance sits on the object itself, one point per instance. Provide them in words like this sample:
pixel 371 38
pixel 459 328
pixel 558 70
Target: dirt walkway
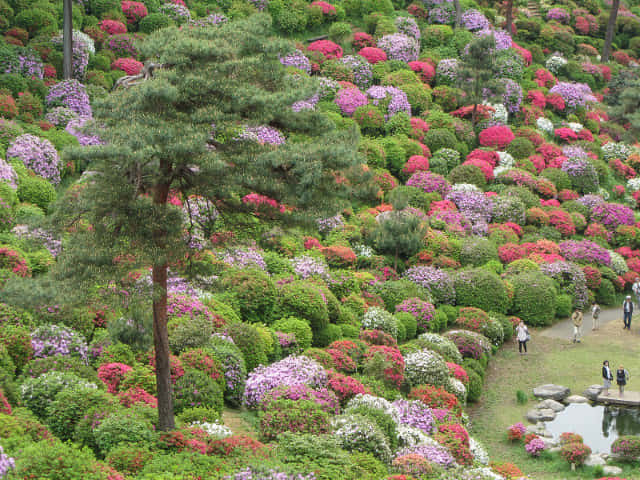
pixel 563 330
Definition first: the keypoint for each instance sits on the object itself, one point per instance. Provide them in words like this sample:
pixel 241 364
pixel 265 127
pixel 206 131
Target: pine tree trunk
pixel 456 4
pixel 611 26
pixel 509 26
pixel 160 333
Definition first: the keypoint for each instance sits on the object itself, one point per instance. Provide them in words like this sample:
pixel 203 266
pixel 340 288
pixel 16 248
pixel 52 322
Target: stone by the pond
pixel 537 428
pixel 576 399
pixel 593 460
pixel 554 392
pixel 611 470
pixel 540 415
pixel 549 442
pixel 592 392
pixel 551 404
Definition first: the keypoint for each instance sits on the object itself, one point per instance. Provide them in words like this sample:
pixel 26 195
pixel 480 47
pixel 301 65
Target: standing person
pixel 522 334
pixel 627 310
pixel 595 315
pixel 607 376
pixel 635 288
pixel 576 318
pixel 622 377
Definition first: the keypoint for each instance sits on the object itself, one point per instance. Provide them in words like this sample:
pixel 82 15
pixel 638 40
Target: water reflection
pixel 598 425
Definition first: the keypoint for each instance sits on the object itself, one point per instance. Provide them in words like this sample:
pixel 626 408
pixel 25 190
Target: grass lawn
pixel 549 361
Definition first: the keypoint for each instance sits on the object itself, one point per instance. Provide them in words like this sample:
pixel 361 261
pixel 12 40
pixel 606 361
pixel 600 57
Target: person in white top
pixel 607 376
pixel 595 315
pixel 522 334
pixel 635 288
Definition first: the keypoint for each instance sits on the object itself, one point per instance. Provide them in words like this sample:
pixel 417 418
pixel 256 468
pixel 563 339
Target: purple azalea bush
pixel 399 46
pixel 433 453
pixel 27 63
pixel 296 59
pixel 263 135
pixel 362 72
pixel 292 370
pixel 244 258
pixel 571 279
pixel 415 414
pixel 6 463
pixel 394 99
pixel 250 473
pixel 438 282
pixel 37 154
pixel 585 251
pixel 350 99
pixel 474 20
pixel 71 94
pixel 612 215
pixel 77 128
pixel 8 174
pixel 574 94
pixel 50 340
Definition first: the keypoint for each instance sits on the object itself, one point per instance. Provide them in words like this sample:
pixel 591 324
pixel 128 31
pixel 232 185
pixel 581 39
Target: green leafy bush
pixel 70 405
pixel 296 416
pixel 125 426
pixel 253 291
pixel 534 298
pixel 298 327
pixel 302 300
pixel 38 393
pixel 248 340
pixel 197 389
pixel 471 288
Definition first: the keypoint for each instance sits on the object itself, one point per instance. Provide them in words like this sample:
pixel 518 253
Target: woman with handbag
pixel 522 334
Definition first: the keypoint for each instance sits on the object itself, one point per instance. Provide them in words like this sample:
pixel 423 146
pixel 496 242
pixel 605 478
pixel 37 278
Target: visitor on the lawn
pixel 627 311
pixel 576 318
pixel 595 315
pixel 607 376
pixel 622 377
pixel 523 337
pixel 635 288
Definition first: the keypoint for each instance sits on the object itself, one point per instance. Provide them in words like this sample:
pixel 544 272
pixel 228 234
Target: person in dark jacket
pixel 627 312
pixel 607 376
pixel 622 376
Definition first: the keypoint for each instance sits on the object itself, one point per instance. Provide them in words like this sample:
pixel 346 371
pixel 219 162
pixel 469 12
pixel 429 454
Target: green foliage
pixel 409 323
pixel 606 294
pixel 38 393
pixel 382 419
pixel 70 405
pixel 477 251
pixel 468 174
pixel 564 305
pixel 250 343
pixel 521 397
pixel 437 138
pixel 534 298
pixel 472 286
pixel 35 189
pixel 395 291
pixel 125 426
pixel 474 388
pixel 296 416
pixel 303 300
pixel 254 292
pixel 327 335
pixel 521 147
pixel 559 178
pixel 298 327
pixel 197 389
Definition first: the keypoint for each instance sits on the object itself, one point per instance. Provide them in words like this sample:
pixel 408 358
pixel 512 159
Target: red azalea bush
pixel 415 162
pixel 134 11
pixel 537 98
pixel 524 53
pixel 135 395
pixel 350 348
pixel 377 337
pixel 544 78
pixel 556 101
pixel 508 470
pixel 327 8
pixel 112 27
pixel 339 256
pixel 392 363
pixel 457 371
pixel 342 361
pixel 199 360
pixel 516 431
pixel 565 195
pixel 585 135
pixel 489 156
pixel 621 57
pixel 327 48
pixel 485 167
pixel 435 397
pixel 4 404
pixel 112 375
pixel 130 66
pixel 424 69
pixel 575 453
pixel 471 318
pixel 566 134
pixel 418 130
pixel 8 108
pixel 456 439
pixel 239 445
pixel 362 40
pixel 373 54
pixel 498 136
pixel 412 464
pixel 344 387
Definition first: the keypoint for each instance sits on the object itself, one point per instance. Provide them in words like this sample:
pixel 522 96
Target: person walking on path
pixel 622 377
pixel 607 376
pixel 522 334
pixel 595 315
pixel 627 311
pixel 576 318
pixel 635 288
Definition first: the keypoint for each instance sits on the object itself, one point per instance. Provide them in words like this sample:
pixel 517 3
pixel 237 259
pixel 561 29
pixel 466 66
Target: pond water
pixel 599 425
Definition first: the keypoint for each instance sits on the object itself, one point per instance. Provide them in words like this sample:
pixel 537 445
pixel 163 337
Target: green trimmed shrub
pixel 251 344
pixel 468 174
pixel 437 138
pixel 395 291
pixel 298 327
pixel 534 298
pixel 409 323
pixel 327 335
pixel 253 291
pixel 472 286
pixel 197 389
pixel 302 300
pixel 36 190
pixel 125 426
pixel 477 251
pixel 564 305
pixel 559 178
pixel 296 416
pixel 606 293
pixel 474 388
pixel 153 22
pixel 70 405
pixel 521 147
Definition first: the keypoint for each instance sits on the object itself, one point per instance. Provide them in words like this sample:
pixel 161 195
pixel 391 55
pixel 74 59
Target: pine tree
pixel 399 232
pixel 476 75
pixel 625 105
pixel 183 132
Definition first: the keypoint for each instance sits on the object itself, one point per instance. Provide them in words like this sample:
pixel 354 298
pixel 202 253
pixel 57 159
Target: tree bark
pixel 160 333
pixel 611 26
pixel 509 26
pixel 67 40
pixel 456 4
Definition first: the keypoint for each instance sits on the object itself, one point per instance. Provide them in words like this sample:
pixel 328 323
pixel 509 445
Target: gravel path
pixel 563 330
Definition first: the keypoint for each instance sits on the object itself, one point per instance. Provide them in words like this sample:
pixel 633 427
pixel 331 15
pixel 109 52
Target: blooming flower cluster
pixel 350 99
pixel 244 258
pixel 251 473
pixel 306 266
pixel 37 154
pixel 71 94
pixel 83 46
pixel 503 39
pixel 329 224
pixel 474 20
pixel 408 26
pixel 8 174
pixel 263 134
pixel 574 94
pixel 297 60
pixel 585 251
pixel 437 281
pixel 433 453
pixel 289 371
pixel 50 340
pixel 399 46
pixel 447 69
pixel 362 73
pixel 426 367
pixel 26 63
pixel 393 98
pixel 177 13
pixel 6 463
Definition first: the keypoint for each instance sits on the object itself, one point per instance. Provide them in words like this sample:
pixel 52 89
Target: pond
pixel 599 425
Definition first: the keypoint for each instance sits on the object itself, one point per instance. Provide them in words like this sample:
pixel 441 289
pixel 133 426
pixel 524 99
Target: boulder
pixel 576 399
pixel 593 460
pixel 611 470
pixel 536 415
pixel 592 392
pixel 551 404
pixel 554 392
pixel 549 442
pixel 539 429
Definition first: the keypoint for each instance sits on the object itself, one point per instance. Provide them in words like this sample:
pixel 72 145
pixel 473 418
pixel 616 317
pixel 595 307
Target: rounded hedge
pixel 534 298
pixel 253 291
pixel 298 327
pixel 472 287
pixel 302 300
pixel 477 251
pixel 438 138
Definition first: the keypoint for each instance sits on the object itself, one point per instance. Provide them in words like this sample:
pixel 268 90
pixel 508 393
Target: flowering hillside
pixel 505 169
